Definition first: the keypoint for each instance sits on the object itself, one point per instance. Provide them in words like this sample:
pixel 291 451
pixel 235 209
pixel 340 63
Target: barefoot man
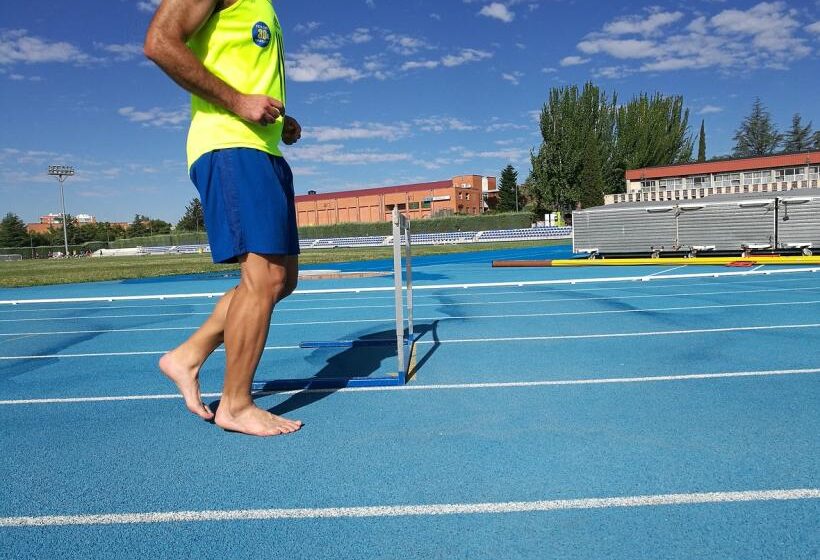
pixel 229 55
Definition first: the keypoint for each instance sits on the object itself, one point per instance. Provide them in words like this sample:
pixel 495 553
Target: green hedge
pixel 166 239
pixel 431 225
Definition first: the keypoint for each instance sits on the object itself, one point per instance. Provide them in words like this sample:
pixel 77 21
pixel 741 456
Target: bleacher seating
pixel 523 234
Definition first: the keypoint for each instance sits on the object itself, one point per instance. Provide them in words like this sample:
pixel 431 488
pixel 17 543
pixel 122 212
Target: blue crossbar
pixel 347 343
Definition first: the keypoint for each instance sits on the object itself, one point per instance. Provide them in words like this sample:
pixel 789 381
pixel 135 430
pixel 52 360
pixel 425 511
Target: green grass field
pixel 44 272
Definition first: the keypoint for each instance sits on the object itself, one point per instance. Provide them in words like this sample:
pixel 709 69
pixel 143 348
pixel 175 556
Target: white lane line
pixel 419 287
pixel 292 300
pixel 485 508
pixel 618 335
pixel 667 270
pixel 438 318
pixel 465 340
pixel 436 305
pixel 442 386
pixel 115 354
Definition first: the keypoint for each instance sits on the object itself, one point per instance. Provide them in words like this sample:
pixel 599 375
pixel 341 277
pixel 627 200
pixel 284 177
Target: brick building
pixel 464 194
pixel 764 174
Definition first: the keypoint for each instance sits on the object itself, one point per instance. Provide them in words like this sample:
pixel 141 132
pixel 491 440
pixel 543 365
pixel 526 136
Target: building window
pixel 757 177
pixel 648 186
pixel 414 206
pixel 790 174
pixel 698 181
pixel 427 204
pixel 727 180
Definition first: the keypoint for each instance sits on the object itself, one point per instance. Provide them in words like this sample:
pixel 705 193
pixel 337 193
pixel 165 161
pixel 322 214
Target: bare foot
pixel 254 421
pixel 186 379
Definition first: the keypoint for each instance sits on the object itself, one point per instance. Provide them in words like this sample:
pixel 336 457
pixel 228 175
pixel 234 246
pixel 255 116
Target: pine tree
pixel 799 137
pixel 817 140
pixel 507 190
pixel 138 227
pixel 591 179
pixel 194 217
pixel 702 142
pixel 13 232
pixel 757 135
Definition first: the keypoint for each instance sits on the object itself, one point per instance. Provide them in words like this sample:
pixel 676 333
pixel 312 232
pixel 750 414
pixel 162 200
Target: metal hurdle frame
pixel 405 334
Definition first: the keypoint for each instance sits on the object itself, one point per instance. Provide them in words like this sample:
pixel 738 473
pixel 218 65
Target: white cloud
pixel 358 131
pixel 642 26
pixel 317 67
pixel 767 35
pixel 149 5
pixel 618 48
pixel 498 11
pixel 465 56
pixel 462 57
pixel 442 124
pixel 814 28
pixel 157 117
pixel 709 109
pixel 337 154
pixel 17 46
pixel 513 77
pixel 307 27
pixel 413 64
pixel 573 60
pixel 127 51
pixel 404 44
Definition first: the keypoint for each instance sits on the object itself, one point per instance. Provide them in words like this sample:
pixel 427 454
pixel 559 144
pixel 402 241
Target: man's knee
pixel 290 285
pixel 267 280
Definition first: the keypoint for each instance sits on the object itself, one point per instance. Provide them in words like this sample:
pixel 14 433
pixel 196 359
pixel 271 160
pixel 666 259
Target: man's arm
pixel 173 24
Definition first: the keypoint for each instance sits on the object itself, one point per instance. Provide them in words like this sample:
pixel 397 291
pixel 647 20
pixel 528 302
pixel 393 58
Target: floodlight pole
pixel 62 172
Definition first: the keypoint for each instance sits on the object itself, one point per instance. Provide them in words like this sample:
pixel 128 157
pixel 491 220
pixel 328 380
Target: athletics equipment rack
pixel 405 334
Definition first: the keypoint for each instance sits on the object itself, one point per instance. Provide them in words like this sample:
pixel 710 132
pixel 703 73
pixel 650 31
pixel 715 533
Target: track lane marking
pixel 443 386
pixel 438 304
pixel 439 318
pixel 419 287
pixel 485 508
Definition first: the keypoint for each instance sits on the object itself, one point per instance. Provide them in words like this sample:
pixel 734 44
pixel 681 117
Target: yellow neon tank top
pixel 242 45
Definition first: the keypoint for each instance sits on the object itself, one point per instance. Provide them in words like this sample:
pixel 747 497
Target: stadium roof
pixel 726 166
pixel 376 191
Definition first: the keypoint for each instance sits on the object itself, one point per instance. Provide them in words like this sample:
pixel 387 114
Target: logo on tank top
pixel 261 34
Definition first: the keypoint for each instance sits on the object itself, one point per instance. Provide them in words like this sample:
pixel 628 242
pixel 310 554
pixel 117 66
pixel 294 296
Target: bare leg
pixel 264 282
pixel 182 364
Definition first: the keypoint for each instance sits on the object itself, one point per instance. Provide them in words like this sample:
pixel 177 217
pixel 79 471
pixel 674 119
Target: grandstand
pixel 456 237
pixel 721 223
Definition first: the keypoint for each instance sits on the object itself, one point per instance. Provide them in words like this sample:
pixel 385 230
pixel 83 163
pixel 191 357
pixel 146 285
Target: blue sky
pixel 388 91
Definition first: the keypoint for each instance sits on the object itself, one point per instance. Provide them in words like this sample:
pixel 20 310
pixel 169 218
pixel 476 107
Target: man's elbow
pixel 152 47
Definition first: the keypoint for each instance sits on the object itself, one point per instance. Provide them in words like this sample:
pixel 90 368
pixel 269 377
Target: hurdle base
pixel 346 343
pixel 325 383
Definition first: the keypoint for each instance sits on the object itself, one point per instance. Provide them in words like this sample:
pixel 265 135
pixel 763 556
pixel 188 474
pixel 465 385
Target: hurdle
pixel 404 342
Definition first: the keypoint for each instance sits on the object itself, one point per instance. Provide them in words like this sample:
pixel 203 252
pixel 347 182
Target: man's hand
pixel 292 131
pixel 259 109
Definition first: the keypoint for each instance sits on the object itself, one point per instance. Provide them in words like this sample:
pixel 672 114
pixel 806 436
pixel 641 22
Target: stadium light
pixel 62 172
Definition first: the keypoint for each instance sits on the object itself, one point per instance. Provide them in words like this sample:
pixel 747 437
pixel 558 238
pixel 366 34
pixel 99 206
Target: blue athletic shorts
pixel 248 199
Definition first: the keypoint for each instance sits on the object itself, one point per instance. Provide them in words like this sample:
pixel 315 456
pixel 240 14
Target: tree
pixel 139 227
pixel 757 135
pixel 587 132
pixel 591 179
pixel 13 232
pixel 194 217
pixel 508 190
pixel 570 117
pixel 817 140
pixel 798 138
pixel 702 142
